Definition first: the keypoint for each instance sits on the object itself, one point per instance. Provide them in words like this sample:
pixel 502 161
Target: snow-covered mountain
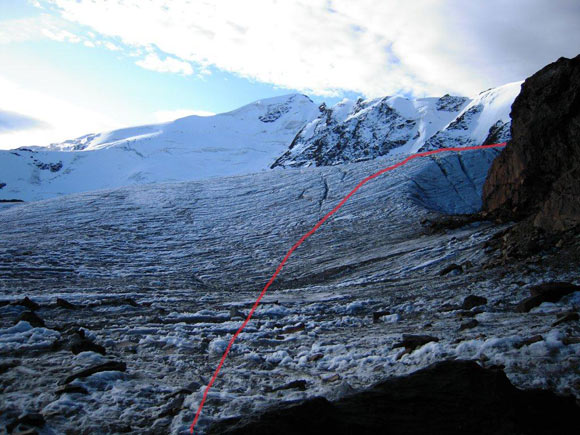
pixel 286 131
pixel 363 130
pixel 243 141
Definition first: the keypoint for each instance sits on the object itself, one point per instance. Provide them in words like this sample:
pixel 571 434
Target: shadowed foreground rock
pixel 546 292
pixel 449 397
pixel 537 175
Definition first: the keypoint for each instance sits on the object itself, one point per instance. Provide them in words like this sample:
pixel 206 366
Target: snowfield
pixel 287 131
pixel 161 276
pixel 243 141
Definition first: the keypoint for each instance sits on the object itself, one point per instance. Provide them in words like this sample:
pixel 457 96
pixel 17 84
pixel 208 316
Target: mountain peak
pixel 287 131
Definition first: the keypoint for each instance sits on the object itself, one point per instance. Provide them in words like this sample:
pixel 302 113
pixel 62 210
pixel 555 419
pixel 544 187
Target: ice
pixel 218 346
pixel 355 307
pixel 187 253
pixel 87 359
pixel 390 318
pixel 23 337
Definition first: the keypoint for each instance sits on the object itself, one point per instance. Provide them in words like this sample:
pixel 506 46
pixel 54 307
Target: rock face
pixel 537 176
pixel 359 130
pixel 449 397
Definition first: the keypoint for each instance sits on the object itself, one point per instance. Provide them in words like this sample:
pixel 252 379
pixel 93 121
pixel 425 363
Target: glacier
pixel 161 275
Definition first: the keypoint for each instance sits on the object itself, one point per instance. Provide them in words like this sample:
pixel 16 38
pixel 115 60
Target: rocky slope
pixel 364 130
pixel 537 176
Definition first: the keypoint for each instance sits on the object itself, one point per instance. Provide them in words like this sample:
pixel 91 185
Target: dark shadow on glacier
pixel 452 183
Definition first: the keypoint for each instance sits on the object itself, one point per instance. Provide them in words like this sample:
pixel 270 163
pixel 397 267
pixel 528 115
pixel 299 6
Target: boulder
pixel 28 303
pixel 473 301
pixel 71 389
pixel 26 422
pixel 554 290
pixel 7 365
pixel 63 303
pixel 117 366
pixel 378 314
pixel 412 342
pixel 451 268
pixel 32 318
pixel 546 292
pixel 299 384
pixel 79 345
pixel 469 324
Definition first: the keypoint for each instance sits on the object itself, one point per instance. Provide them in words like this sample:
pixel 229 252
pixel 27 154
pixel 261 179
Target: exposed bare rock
pixel 568 317
pixel 468 324
pixel 412 342
pixel 63 303
pixel 561 210
pixel 473 301
pixel 105 367
pixel 547 292
pixel 537 174
pixel 28 303
pixel 32 318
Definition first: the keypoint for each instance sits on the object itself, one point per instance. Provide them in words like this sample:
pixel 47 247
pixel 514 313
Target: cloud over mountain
pixel 325 47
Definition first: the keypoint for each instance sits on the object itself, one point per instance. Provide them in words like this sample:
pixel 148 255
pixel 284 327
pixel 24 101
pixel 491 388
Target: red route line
pixel 302 239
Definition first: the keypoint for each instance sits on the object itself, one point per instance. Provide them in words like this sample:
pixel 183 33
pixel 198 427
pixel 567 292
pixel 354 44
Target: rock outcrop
pixel 353 131
pixel 449 397
pixel 537 176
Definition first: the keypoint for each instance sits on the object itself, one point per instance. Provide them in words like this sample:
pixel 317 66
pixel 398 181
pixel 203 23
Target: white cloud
pixel 60 35
pixel 33 28
pixel 372 47
pixel 111 46
pixel 172 115
pixel 36 118
pixel 169 64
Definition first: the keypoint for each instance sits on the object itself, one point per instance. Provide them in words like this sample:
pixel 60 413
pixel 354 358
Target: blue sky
pixel 73 67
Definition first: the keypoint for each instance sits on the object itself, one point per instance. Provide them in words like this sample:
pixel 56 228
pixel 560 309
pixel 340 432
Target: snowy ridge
pixel 243 141
pixel 484 120
pixel 287 131
pixel 363 130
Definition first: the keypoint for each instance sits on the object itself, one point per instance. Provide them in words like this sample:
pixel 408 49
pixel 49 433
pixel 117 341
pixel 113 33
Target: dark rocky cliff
pixel 537 176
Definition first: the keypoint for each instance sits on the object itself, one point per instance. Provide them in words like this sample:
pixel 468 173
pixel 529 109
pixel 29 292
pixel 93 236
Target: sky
pixel 73 67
